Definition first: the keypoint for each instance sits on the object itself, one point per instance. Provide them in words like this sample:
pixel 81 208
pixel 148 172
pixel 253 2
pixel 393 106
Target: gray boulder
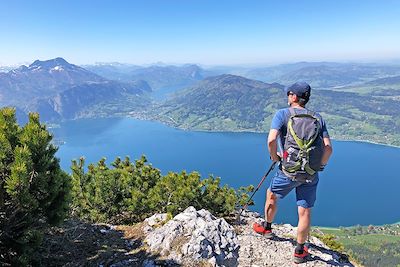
pixel 196 235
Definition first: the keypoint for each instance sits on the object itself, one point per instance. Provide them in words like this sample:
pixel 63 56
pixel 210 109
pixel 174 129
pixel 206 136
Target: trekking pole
pixel 258 187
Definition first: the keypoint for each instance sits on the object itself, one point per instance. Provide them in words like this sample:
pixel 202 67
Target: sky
pixel 207 32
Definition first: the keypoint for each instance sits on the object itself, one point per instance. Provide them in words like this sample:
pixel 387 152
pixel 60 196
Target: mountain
pixel 60 90
pixel 92 100
pixel 388 87
pixel 234 103
pixel 389 81
pixel 166 79
pixel 323 75
pixel 163 79
pixel 160 77
pixel 6 68
pixel 42 78
pixel 225 102
pixel 273 73
pixel 113 71
pixel 331 75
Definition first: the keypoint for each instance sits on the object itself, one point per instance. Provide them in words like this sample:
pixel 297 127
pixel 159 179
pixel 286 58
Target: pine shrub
pixel 128 192
pixel 34 191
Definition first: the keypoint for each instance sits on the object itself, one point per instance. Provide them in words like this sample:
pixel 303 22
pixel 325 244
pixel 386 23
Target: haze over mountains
pixel 359 101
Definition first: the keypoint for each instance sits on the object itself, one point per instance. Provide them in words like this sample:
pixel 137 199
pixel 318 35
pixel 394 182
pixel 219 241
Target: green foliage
pixel 175 192
pixel 242 195
pixel 220 200
pixel 331 241
pixel 117 194
pixel 367 245
pixel 232 103
pixel 128 192
pixel 34 191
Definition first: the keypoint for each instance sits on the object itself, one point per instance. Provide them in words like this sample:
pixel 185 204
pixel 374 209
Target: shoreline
pixel 233 131
pixel 258 132
pixel 337 228
pixel 365 141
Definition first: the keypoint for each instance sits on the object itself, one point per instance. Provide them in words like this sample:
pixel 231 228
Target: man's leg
pixel 270 206
pixel 306 196
pixel 281 186
pixel 270 211
pixel 303 227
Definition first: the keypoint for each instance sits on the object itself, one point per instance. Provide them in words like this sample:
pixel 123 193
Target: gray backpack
pixel 303 146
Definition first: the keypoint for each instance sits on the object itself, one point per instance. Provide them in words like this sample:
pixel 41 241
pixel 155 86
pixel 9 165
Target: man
pixel 282 183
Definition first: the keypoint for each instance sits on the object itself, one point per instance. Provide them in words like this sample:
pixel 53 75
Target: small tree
pixel 34 191
pixel 175 192
pixel 217 199
pixel 118 194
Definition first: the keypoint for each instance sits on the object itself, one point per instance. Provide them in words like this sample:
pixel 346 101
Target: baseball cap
pixel 301 89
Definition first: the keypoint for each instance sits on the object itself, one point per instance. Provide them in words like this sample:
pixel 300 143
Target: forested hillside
pixel 234 103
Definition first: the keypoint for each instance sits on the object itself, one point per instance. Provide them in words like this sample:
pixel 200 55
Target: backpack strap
pixel 309 112
pixel 312 113
pixel 292 111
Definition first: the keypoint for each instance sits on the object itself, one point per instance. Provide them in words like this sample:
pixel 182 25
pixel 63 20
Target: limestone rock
pixel 197 238
pixel 196 235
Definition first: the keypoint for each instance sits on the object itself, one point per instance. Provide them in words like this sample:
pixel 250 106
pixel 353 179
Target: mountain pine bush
pixel 118 194
pixel 128 192
pixel 34 191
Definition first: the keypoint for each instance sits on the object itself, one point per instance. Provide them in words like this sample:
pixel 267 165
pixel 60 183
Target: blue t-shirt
pixel 281 118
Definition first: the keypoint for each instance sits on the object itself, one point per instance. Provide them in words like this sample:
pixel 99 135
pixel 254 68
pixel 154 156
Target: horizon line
pixel 395 60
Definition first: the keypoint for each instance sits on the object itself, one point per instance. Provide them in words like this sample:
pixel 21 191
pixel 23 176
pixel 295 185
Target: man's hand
pixel 275 158
pixel 322 167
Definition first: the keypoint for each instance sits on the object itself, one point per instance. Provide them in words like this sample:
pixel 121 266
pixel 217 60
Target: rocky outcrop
pixel 195 235
pixel 194 238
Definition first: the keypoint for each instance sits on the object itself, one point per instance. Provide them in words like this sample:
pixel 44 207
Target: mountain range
pixel 160 77
pixel 321 75
pixel 60 90
pixel 234 103
pixel 361 101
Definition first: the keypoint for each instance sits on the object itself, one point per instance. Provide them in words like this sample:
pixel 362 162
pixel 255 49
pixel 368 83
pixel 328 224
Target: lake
pixel 359 186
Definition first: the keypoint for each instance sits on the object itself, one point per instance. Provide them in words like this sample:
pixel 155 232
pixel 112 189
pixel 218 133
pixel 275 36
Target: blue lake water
pixel 359 186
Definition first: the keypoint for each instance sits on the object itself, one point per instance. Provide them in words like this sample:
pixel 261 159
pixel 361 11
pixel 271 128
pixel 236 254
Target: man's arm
pixel 272 145
pixel 327 150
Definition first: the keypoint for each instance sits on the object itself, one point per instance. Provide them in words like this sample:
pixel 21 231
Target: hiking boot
pixel 260 229
pixel 301 257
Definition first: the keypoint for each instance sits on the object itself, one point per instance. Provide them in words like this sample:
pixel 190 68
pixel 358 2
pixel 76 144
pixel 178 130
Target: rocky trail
pixel 191 238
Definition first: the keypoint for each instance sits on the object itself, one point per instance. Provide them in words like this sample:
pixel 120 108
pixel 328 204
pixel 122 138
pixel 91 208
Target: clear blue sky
pixel 199 31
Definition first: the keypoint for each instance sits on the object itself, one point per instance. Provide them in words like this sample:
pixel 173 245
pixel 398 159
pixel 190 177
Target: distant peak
pixel 227 77
pixel 22 68
pixel 51 63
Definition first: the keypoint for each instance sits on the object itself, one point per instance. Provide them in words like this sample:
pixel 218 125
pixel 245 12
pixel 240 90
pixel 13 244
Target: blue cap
pixel 301 89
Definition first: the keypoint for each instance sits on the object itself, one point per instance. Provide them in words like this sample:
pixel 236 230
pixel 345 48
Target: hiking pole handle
pixel 258 187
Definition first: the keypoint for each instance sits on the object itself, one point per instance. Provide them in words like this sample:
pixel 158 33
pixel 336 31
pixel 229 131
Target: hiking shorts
pixel 306 193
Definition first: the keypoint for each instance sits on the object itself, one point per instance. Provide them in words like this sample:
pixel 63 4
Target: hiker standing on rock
pixel 306 151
